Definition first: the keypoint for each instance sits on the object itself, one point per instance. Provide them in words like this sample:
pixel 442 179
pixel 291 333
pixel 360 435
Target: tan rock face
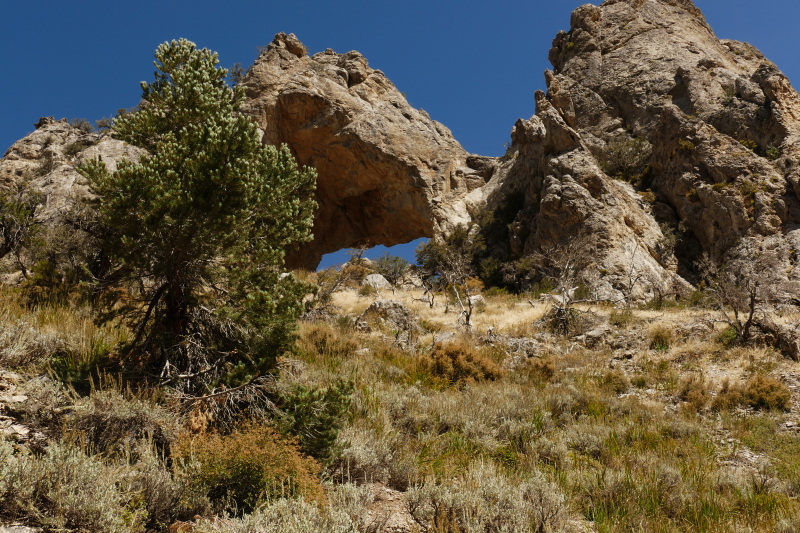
pixel 388 174
pixel 46 160
pixel 655 69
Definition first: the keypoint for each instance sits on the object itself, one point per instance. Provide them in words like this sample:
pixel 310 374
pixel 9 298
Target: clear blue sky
pixel 474 66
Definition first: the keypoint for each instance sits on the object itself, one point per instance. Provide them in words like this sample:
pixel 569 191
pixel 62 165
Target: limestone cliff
pixel 722 119
pixel 388 174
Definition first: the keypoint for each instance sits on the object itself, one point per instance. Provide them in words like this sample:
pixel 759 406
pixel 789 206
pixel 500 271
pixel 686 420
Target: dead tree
pixel 747 287
pixel 569 266
pixel 450 263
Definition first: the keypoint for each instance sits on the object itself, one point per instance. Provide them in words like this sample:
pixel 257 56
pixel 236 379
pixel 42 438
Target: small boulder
pixel 377 281
pixel 390 311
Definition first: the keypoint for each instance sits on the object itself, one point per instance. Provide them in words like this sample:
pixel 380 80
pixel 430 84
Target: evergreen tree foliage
pixel 199 228
pixel 392 268
pixel 316 416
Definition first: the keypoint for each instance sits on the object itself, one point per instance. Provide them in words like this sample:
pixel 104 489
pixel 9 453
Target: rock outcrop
pixel 718 124
pixel 45 160
pixel 388 174
pixel 723 121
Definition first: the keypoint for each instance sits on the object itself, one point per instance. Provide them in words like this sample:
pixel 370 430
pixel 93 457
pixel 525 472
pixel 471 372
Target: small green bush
pixel 367 290
pixel 727 337
pixel 773 153
pixel 748 188
pixel 253 465
pixel 316 416
pixel 685 146
pixel 495 291
pixel 750 145
pixel 82 124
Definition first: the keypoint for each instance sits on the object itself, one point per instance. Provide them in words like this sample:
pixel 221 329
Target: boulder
pixel 391 311
pixel 377 281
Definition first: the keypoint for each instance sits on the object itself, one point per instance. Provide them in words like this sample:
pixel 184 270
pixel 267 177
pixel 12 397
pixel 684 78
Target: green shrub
pixel 495 292
pixel 253 465
pixel 627 159
pixel 698 299
pixel 367 290
pixel 459 364
pixel 748 188
pixel 773 153
pixel 685 146
pixel 82 124
pixel 316 416
pixel 751 145
pixel 727 337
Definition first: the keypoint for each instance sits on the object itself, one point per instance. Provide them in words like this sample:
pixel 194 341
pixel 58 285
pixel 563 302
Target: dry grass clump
pixel 616 382
pixel 539 370
pixel 31 334
pixel 661 338
pixel 621 319
pixel 112 422
pixel 254 464
pixel 760 392
pixel 694 391
pixel 764 392
pixel 728 397
pixel 484 499
pixel 321 341
pixel 460 364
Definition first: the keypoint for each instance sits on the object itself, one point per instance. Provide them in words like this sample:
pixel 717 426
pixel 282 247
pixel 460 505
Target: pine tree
pixel 198 230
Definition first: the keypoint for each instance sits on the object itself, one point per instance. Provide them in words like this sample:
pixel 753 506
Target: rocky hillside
pixel 654 137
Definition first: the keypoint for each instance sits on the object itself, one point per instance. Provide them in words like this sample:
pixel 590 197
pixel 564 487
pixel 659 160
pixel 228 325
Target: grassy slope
pixel 602 441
